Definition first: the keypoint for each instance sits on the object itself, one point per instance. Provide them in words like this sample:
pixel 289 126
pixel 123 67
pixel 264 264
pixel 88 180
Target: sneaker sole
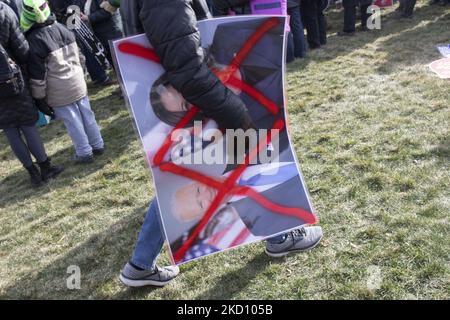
pixel 285 253
pixel 142 283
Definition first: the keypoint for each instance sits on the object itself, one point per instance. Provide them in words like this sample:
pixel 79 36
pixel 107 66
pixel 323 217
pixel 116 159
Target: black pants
pixel 407 7
pixel 350 17
pixel 314 22
pixel 23 149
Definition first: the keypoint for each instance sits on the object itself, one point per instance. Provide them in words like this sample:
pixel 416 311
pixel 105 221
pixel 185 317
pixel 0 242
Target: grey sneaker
pixel 299 240
pixel 133 277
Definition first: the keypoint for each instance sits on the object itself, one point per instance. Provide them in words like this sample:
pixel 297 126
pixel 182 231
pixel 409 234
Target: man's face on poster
pixel 191 201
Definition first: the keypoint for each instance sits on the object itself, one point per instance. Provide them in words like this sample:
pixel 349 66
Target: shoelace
pixel 298 234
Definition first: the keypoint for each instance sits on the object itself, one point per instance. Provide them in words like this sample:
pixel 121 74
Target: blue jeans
pixel 79 120
pixel 298 34
pixel 151 240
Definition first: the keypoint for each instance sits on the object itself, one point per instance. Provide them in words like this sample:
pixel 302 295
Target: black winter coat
pixel 13 5
pixel 18 110
pixel 171 28
pixel 106 26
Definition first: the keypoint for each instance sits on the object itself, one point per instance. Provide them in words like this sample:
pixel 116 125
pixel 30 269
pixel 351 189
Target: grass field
pixel 371 129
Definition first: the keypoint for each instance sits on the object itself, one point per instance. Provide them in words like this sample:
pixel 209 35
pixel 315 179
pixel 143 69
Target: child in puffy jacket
pixel 57 80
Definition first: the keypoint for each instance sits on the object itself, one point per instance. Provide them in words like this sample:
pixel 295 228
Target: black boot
pixel 36 180
pixel 48 171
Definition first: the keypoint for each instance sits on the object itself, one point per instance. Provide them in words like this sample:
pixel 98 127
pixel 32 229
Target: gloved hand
pixel 105 5
pixel 43 106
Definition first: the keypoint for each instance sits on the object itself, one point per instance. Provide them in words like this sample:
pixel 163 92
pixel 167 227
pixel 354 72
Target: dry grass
pixel 371 128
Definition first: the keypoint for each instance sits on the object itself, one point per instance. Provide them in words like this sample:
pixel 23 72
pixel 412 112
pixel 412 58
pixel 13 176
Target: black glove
pixel 43 106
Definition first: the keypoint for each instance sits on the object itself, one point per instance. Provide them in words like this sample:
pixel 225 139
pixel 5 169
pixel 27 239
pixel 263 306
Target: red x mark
pixel 228 187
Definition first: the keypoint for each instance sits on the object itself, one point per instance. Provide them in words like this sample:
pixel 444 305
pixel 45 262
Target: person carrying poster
pixel 189 78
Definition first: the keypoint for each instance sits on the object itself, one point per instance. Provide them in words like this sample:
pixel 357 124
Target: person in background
pixel 106 25
pixel 406 8
pixel 314 22
pixel 57 79
pixel 297 30
pixel 350 16
pixel 224 7
pixel 18 114
pixel 97 73
pixel 441 2
pixel 130 21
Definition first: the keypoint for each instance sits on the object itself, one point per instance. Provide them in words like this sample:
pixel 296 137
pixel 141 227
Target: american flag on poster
pixel 234 235
pixel 384 3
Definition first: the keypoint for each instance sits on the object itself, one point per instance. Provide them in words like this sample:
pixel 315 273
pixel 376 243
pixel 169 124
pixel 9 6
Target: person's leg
pixel 142 270
pixel 20 149
pixel 309 11
pixel 409 8
pixel 36 146
pixel 349 19
pixel 90 124
pixel 150 240
pixel 322 22
pixel 297 32
pixel 73 121
pixel 364 16
pixel 95 70
pixel 18 146
pixel 34 143
pixel 290 48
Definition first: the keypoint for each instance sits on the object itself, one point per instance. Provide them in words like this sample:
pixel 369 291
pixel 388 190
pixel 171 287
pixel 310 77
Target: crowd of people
pixel 41 57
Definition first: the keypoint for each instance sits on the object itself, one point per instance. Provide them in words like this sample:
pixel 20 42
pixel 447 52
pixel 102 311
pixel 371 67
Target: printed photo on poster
pixel 214 192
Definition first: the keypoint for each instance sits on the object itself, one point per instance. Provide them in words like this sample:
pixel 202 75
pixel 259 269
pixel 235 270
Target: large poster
pixel 218 189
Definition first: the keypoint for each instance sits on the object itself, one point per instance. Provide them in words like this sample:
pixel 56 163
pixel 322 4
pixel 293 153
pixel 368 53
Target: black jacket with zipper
pixel 105 25
pixel 18 110
pixel 170 26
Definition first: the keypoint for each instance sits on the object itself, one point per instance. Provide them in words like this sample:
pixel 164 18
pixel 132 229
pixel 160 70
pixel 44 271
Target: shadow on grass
pixel 236 281
pixel 225 288
pixel 389 25
pixel 100 259
pixel 418 44
pixel 117 135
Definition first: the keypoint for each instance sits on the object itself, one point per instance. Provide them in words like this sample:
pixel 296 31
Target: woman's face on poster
pixel 172 100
